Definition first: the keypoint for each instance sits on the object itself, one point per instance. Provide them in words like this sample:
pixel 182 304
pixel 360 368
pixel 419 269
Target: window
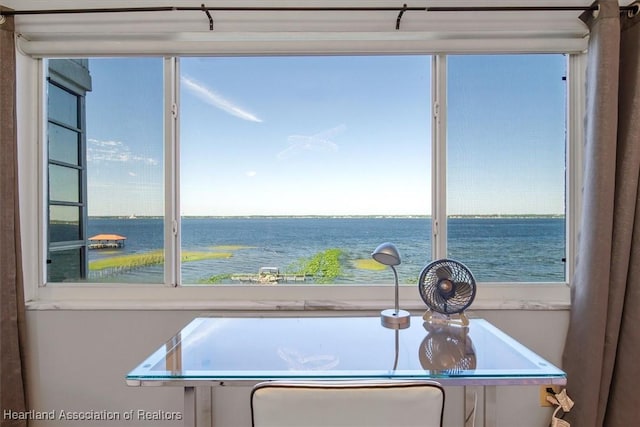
pixel 292 169
pixel 506 131
pixel 304 165
pixel 112 175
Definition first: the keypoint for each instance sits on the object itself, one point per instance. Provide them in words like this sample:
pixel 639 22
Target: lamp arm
pixel 397 294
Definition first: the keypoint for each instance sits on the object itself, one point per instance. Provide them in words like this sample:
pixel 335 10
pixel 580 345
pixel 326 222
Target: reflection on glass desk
pixel 227 349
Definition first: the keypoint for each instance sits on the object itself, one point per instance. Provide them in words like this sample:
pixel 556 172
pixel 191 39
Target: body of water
pixel 529 249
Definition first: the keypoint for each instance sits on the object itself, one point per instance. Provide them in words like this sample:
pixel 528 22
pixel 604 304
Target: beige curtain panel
pixel 603 341
pixel 12 310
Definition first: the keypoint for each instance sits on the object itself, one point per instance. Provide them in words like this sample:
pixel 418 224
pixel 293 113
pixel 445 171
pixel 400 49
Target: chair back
pixel 347 404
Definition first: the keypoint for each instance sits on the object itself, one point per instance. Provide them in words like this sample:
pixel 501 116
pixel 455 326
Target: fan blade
pixel 444 272
pixel 463 289
pixel 436 301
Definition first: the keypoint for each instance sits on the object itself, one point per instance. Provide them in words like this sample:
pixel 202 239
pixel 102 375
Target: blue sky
pixel 328 135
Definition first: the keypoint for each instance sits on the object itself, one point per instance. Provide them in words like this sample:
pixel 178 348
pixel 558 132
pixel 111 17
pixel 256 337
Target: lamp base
pixel 395 319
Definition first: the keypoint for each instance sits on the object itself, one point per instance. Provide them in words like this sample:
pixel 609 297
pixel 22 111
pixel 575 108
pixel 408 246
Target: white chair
pixel 347 404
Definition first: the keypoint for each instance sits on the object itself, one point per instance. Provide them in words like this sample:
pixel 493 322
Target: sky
pixel 328 135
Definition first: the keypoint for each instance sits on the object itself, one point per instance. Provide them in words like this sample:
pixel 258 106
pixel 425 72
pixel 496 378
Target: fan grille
pixel 447 286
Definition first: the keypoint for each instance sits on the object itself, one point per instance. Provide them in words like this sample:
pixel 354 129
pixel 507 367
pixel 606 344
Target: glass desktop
pixel 228 349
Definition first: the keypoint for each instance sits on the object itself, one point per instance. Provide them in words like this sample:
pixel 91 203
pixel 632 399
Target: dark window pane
pixel 64 223
pixel 63 144
pixel 63 106
pixel 64 265
pixel 64 184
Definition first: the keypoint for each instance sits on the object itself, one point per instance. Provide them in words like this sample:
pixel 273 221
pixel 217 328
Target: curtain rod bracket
pixel 399 18
pixel 206 11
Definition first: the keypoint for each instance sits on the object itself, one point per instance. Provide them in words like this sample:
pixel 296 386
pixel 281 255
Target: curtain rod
pixel 634 8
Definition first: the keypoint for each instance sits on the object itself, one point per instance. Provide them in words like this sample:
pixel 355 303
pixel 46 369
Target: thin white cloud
pixel 114 151
pixel 319 142
pixel 210 97
pixel 251 174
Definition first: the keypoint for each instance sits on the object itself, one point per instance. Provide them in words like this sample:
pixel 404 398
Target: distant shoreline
pixel 479 216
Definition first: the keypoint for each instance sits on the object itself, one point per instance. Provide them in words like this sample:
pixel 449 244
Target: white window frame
pixel 31 128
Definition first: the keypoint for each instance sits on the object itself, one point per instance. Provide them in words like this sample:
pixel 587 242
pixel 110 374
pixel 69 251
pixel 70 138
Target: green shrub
pixel 323 267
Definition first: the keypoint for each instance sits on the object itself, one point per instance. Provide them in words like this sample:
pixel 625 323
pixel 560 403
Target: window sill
pixel 289 299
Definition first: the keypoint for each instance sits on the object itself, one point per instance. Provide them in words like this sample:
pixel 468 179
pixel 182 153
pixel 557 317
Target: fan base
pixel 395 319
pixel 457 319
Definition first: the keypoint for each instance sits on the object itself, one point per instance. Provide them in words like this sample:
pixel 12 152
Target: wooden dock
pixel 106 241
pixel 269 276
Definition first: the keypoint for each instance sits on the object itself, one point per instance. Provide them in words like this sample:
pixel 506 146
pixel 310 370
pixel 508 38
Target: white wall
pixel 77 361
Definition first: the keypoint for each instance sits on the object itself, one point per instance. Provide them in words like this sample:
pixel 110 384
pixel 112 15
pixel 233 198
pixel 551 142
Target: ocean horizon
pixel 500 248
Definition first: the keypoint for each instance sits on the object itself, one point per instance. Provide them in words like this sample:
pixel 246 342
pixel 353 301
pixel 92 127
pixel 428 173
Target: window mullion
pixel 43 165
pixel 439 157
pixel 576 70
pixel 171 174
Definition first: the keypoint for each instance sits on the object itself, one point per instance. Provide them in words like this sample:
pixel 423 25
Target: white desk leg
pixel 472 396
pixel 480 406
pixel 490 407
pixel 189 413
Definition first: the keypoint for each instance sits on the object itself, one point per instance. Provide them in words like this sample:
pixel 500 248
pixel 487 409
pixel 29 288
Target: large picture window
pixel 292 169
pixel 301 166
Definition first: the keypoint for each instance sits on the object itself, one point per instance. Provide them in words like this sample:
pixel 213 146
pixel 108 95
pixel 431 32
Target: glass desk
pixel 218 351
